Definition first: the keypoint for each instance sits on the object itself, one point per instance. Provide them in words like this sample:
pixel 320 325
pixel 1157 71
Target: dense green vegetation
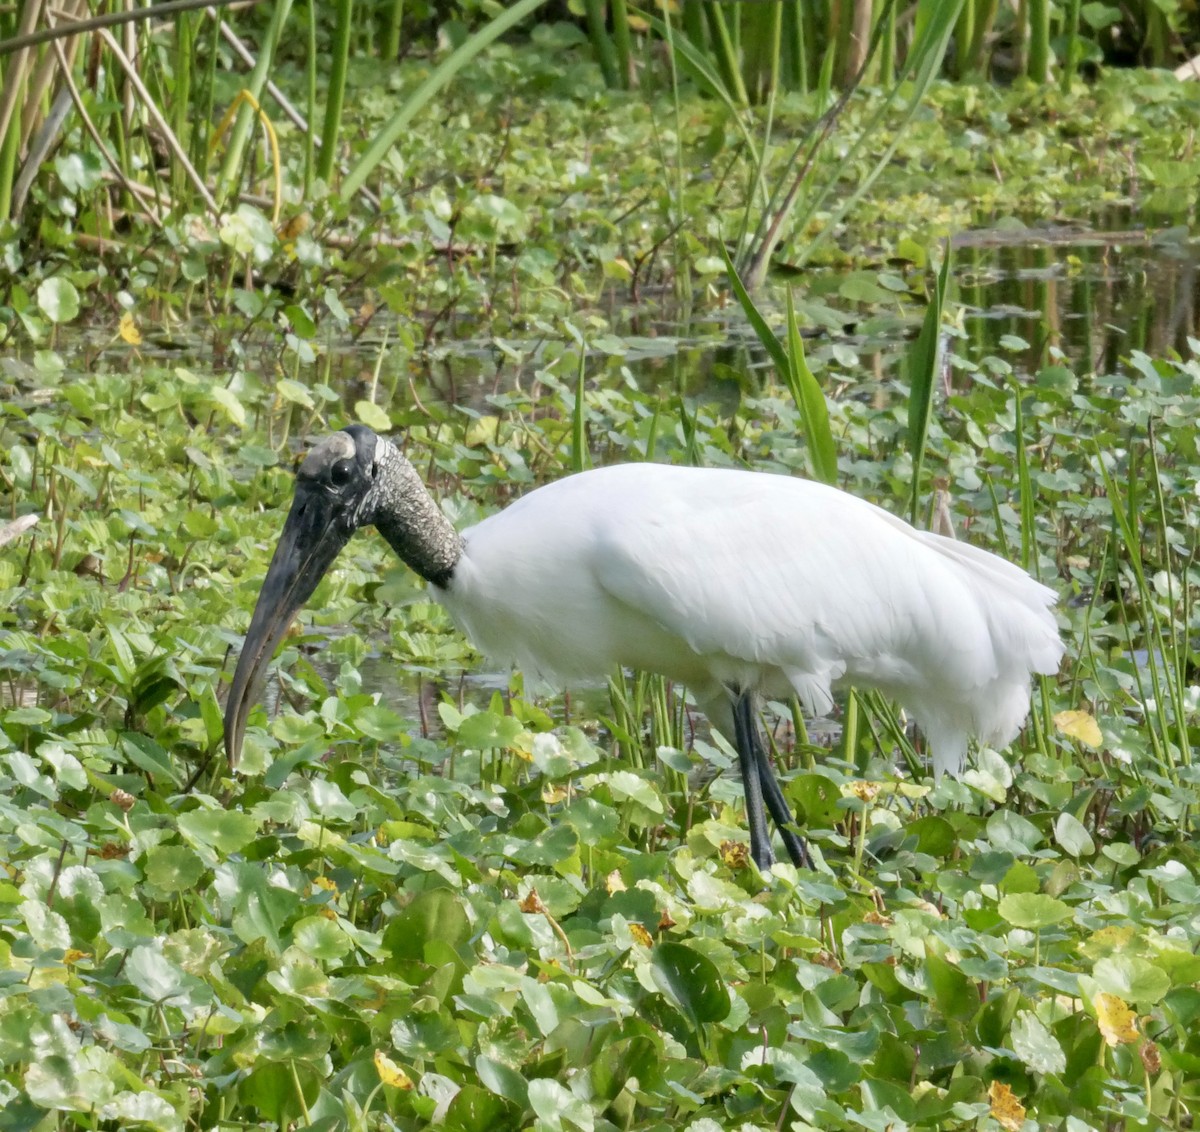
pixel 431 899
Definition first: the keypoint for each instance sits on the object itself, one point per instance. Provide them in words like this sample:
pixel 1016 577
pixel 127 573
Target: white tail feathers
pixel 1023 638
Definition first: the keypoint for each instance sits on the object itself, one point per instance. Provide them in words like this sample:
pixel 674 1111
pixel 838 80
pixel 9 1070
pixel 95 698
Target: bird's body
pixel 721 578
pixel 734 583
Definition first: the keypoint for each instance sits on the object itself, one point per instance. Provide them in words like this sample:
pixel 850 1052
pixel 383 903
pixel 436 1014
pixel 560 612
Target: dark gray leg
pixel 782 815
pixel 746 740
pixel 768 788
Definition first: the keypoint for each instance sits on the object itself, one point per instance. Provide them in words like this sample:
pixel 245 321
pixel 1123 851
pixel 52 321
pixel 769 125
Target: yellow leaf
pixel 289 231
pixel 390 1073
pixel 1117 1022
pixel 863 791
pixel 614 882
pixel 734 854
pixel 640 934
pixel 1006 1109
pixel 128 330
pixel 552 795
pixel 1079 725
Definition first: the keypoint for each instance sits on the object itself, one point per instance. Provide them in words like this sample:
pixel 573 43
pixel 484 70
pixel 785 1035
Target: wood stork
pixel 734 583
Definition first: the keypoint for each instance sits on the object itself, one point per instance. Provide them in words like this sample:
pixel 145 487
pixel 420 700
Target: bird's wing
pixel 811 581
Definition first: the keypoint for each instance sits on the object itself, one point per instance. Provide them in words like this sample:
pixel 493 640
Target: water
pixel 1096 297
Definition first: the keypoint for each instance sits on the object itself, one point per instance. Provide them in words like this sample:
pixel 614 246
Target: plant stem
pixel 344 22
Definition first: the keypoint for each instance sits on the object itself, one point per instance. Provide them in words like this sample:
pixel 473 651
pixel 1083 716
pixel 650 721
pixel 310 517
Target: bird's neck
pixel 412 522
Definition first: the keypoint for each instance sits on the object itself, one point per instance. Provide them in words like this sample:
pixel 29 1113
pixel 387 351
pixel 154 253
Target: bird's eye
pixel 340 473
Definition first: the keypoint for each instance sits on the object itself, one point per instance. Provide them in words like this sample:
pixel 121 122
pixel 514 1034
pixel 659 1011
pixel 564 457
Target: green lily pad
pixel 691 981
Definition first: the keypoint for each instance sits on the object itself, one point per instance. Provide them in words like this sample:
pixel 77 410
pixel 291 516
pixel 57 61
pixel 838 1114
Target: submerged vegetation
pixel 434 898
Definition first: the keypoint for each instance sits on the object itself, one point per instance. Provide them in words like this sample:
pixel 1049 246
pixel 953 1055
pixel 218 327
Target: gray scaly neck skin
pixel 412 523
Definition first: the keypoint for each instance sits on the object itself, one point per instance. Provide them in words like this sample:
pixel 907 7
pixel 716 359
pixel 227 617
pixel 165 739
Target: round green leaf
pixel 485 730
pixel 691 981
pixel 379 722
pixel 1122 853
pixel 154 975
pixel 1033 1043
pixel 1070 833
pixel 173 868
pixel 934 834
pixel 321 938
pixel 437 914
pixel 502 1079
pixel 372 416
pixel 1033 910
pixel 294 392
pixel 816 798
pixel 593 821
pixel 57 299
pixel 617 1062
pixel 1132 979
pixel 140 1110
pixel 476 1110
pixel 227 831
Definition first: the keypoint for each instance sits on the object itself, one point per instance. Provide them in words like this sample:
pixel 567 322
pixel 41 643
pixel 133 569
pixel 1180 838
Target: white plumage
pixel 736 584
pixel 721 579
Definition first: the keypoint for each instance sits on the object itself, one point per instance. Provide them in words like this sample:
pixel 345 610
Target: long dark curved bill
pixel 311 540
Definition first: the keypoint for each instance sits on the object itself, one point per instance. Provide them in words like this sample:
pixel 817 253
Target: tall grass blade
pixel 887 49
pixel 181 95
pixel 792 181
pixel 1070 59
pixel 602 45
pixel 1165 652
pixel 1040 721
pixel 924 369
pixel 234 153
pixel 692 59
pixel 623 42
pixel 801 382
pixel 579 445
pixel 1024 483
pixel 443 74
pixel 12 97
pixel 985 20
pixel 336 91
pixel 810 400
pixel 1039 41
pixel 935 24
pixel 310 95
pixel 723 51
pixel 125 64
pixel 393 16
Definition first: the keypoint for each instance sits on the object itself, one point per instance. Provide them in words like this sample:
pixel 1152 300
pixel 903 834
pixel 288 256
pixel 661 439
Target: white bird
pixel 737 584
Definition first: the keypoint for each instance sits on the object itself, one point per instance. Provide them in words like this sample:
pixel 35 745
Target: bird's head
pixel 337 491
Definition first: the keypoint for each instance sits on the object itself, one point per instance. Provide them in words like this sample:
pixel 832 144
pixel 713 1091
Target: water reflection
pixel 1095 297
